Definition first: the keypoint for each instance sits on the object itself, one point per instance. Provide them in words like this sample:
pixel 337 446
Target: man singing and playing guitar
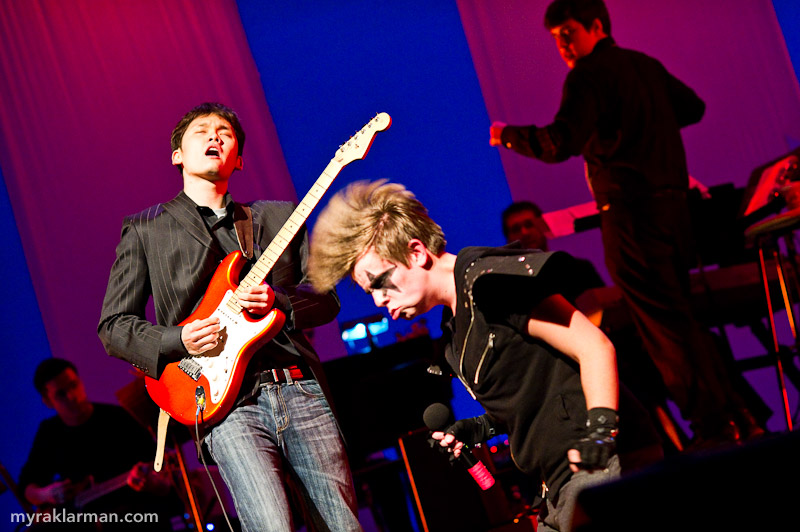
pixel 279 424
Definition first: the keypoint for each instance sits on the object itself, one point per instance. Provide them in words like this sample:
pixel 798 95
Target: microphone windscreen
pixel 436 417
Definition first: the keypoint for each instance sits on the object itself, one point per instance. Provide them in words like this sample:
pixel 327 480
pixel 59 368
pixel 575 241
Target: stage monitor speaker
pixel 447 497
pixel 752 487
pixel 382 394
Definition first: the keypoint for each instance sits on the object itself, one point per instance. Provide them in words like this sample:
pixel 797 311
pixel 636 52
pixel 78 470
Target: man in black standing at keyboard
pixel 623 112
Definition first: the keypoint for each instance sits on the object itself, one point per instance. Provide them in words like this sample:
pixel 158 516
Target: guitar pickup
pixel 191 368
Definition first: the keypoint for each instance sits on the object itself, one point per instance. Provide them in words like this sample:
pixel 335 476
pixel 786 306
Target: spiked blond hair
pixel 378 215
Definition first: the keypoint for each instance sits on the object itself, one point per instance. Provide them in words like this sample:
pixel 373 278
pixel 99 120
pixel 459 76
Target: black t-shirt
pixel 522 382
pixel 108 445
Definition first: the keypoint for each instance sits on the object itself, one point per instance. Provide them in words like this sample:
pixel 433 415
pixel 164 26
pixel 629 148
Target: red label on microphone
pixel 482 476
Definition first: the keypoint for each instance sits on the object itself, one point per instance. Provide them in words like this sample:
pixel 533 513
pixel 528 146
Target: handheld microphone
pixel 437 418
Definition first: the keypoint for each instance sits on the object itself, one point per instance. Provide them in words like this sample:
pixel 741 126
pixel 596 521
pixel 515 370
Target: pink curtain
pixel 90 92
pixel 731 52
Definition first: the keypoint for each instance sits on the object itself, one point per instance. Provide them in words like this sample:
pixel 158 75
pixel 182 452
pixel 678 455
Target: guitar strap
pixel 243 222
pixel 161 438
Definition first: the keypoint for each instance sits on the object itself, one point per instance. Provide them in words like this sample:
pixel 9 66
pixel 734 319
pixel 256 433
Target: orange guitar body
pixel 218 372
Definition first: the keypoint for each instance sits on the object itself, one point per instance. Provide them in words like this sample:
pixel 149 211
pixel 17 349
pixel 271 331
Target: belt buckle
pixel 282 375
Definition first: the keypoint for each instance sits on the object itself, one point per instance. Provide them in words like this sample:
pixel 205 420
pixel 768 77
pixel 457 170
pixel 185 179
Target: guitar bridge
pixel 191 368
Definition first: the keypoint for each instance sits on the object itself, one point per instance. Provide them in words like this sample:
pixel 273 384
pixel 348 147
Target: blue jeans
pixel 290 431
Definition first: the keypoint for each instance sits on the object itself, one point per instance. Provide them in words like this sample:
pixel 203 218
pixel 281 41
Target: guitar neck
pixel 353 149
pixel 104 488
pixel 260 270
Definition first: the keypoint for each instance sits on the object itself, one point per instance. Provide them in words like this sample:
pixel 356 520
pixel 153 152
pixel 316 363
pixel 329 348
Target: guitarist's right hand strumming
pixel 200 336
pixel 203 335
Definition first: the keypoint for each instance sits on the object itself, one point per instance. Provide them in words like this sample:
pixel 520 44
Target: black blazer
pixel 167 252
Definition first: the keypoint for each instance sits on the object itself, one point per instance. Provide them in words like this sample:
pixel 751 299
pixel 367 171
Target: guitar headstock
pixel 358 145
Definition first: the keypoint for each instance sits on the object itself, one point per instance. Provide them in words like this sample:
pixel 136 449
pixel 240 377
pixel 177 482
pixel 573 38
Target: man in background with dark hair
pixel 622 111
pixel 282 427
pixel 88 443
pixel 523 222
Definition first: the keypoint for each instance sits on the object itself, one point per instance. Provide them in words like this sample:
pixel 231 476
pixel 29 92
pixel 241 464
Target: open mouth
pixel 401 313
pixel 212 152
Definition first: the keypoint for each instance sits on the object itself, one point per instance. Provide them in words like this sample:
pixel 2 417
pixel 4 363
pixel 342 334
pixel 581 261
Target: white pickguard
pixel 217 364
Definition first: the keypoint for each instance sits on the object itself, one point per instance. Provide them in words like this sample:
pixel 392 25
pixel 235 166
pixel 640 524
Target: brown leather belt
pixel 279 375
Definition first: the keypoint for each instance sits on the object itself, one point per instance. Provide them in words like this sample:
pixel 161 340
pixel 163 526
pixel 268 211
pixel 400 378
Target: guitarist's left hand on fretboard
pixel 257 299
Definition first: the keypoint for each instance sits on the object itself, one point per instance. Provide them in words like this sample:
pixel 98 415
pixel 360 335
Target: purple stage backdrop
pixel 91 91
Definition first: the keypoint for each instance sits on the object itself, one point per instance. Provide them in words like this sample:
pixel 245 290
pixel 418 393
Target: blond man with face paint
pixel 545 375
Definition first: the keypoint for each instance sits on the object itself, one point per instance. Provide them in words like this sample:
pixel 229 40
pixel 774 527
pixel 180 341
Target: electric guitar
pixel 211 380
pixel 95 491
pixel 87 492
pixel 43 519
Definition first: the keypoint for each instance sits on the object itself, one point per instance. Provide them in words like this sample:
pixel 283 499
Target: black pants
pixel 648 252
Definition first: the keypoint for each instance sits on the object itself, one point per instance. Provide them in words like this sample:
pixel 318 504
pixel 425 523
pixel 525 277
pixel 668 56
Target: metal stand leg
pixel 191 500
pixel 787 303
